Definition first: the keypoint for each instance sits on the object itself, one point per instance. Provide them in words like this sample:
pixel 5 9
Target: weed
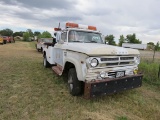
pixel 150 71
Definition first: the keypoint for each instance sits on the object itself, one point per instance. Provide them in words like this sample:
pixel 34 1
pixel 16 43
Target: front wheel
pixel 75 86
pixel 45 62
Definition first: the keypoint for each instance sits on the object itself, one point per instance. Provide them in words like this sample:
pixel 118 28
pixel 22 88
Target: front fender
pixel 80 67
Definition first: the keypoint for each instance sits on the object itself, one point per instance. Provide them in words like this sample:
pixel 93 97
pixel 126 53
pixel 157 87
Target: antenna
pixel 59 25
pixel 57 29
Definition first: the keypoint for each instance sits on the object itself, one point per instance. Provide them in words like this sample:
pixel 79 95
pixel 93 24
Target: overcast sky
pixel 115 17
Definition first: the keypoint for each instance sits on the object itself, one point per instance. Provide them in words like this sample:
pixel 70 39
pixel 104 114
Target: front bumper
pixel 109 86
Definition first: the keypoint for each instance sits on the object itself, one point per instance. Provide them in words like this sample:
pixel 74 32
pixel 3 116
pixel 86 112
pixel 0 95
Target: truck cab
pixel 41 43
pixel 93 67
pixel 5 39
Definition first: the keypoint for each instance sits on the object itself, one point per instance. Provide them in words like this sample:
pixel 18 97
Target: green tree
pixel 157 47
pixel 30 32
pixel 46 34
pixel 121 40
pixel 18 34
pixel 6 32
pixel 110 40
pixel 37 33
pixel 150 43
pixel 26 36
pixel 132 39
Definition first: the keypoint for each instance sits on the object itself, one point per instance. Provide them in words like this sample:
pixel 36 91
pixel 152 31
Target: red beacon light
pixel 71 25
pixel 57 29
pixel 92 28
pixel 80 26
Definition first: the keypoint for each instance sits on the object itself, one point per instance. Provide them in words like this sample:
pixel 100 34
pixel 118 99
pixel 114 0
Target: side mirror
pixel 58 37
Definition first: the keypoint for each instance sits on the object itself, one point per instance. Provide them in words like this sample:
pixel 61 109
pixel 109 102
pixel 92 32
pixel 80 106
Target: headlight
pixel 94 62
pixel 137 60
pixel 102 74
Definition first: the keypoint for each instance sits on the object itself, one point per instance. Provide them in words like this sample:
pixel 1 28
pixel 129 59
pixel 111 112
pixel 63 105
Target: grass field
pixel 28 91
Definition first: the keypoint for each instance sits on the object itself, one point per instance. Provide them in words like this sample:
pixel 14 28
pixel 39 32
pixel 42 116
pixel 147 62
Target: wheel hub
pixel 44 61
pixel 70 82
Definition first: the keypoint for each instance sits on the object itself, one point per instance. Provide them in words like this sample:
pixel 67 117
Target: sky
pixel 116 17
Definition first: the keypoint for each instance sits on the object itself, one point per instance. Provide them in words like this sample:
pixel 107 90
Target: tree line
pixel 131 38
pixel 27 35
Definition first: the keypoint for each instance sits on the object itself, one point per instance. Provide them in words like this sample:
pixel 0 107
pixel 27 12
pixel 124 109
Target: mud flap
pixel 110 86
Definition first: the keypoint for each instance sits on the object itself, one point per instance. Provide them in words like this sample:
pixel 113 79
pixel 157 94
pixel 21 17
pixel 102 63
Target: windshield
pixel 47 40
pixel 85 37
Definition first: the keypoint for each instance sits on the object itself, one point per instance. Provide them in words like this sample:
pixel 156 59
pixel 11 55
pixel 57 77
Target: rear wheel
pixel 45 62
pixel 37 49
pixel 75 86
pixel 4 41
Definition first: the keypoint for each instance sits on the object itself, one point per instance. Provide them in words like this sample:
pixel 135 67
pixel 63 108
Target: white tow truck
pixel 93 67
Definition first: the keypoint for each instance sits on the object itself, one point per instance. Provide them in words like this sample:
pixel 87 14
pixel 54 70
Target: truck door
pixel 62 37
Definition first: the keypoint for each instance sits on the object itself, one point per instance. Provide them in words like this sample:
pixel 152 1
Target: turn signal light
pixel 135 71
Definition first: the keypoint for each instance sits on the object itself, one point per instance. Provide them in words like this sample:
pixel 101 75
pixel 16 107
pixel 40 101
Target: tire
pixel 45 62
pixel 4 41
pixel 37 49
pixel 75 86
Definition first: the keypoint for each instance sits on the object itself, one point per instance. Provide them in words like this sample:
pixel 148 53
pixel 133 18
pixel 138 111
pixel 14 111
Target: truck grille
pixel 124 63
pixel 116 61
pixel 109 59
pixel 126 58
pixel 110 64
pixel 112 74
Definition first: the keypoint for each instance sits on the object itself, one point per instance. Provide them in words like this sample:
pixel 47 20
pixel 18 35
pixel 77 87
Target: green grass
pixel 122 118
pixel 150 71
pixel 28 91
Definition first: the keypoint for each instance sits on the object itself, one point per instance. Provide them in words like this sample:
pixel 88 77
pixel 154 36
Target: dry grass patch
pixel 30 92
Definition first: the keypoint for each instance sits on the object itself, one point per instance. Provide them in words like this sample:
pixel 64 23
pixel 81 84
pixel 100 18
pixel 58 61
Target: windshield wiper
pixel 91 42
pixel 76 41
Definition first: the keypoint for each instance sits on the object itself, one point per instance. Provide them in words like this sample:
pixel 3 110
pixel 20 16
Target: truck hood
pixel 96 49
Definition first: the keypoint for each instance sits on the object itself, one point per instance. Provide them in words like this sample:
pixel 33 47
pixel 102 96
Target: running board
pixel 57 70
